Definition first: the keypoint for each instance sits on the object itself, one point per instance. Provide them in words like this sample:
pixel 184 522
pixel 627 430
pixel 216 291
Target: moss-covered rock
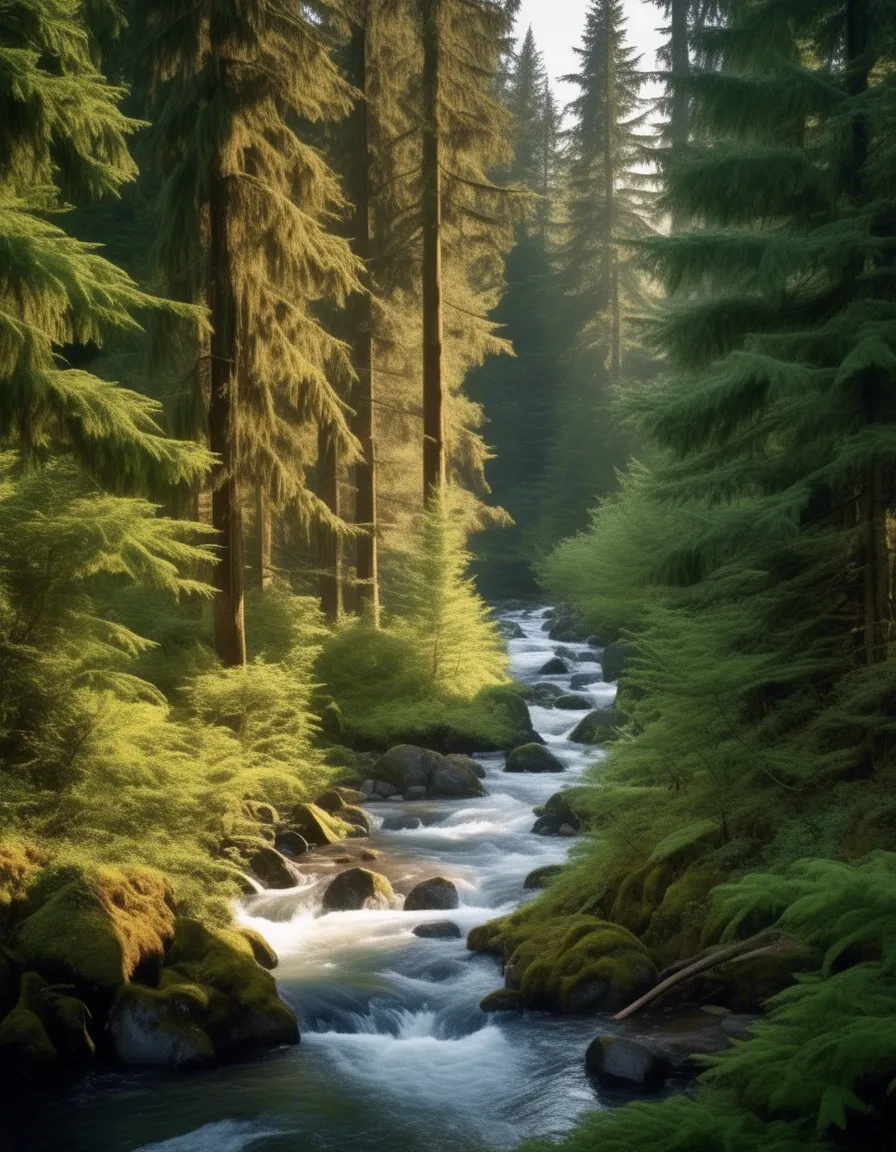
pixel 573 702
pixel 358 888
pixel 502 1000
pixel 572 963
pixel 243 1007
pixel 262 951
pixel 539 878
pixel 271 868
pixel 556 666
pixel 533 758
pixel 409 768
pixel 319 827
pixel 262 812
pixel 163 1026
pixel 612 660
pixel 357 817
pixel 26 1049
pixel 598 727
pixel 96 928
pixel 437 893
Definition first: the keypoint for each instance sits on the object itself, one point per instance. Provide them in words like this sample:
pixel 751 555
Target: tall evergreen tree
pixel 243 227
pixel 606 206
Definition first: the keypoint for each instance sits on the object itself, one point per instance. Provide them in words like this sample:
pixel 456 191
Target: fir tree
pixel 233 81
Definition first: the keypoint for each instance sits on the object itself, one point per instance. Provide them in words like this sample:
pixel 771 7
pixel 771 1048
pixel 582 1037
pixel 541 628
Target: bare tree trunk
pixel 329 545
pixel 265 538
pixel 366 566
pixel 223 428
pixel 679 113
pixel 434 467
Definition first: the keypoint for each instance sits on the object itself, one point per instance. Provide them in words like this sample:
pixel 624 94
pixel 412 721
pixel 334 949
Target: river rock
pixel 510 630
pixel 617 1058
pixel 594 641
pixel 406 766
pixel 613 660
pixel 159 1026
pixel 418 792
pixel 438 930
pixel 357 888
pixel 502 1000
pixel 539 878
pixel 291 843
pixel 573 703
pixel 438 893
pixel 320 828
pixel 468 762
pixel 399 821
pixel 556 666
pixel 533 758
pixel 271 868
pixel 262 951
pixel 383 790
pixel 598 727
pixel 583 679
pixel 545 693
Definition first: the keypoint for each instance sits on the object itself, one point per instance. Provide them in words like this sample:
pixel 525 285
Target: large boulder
pixel 598 727
pixel 160 1026
pixel 533 758
pixel 570 964
pixel 510 630
pixel 96 928
pixel 272 869
pixel 358 888
pixel 400 822
pixel 539 878
pixel 545 693
pixel 558 812
pixel 612 660
pixel 467 762
pixel 502 1000
pixel 240 1005
pixel 573 703
pixel 438 930
pixel 262 951
pixel 320 828
pixel 408 768
pixel 438 893
pixel 556 666
pixel 583 680
pixel 612 1059
pixel 291 843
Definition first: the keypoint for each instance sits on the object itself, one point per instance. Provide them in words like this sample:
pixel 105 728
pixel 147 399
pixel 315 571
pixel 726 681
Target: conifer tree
pixel 242 227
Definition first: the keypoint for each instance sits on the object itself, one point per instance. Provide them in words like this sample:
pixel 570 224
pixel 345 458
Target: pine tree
pixel 242 227
pixel 607 205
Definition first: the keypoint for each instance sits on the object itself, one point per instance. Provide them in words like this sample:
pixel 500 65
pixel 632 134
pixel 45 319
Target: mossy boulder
pixel 358 888
pixel 409 768
pixel 164 1026
pixel 262 951
pixel 319 827
pixel 556 666
pixel 533 758
pixel 612 661
pixel 546 693
pixel 539 878
pixel 243 1009
pixel 291 843
pixel 558 812
pixel 574 963
pixel 467 762
pixel 438 930
pixel 261 812
pixel 438 893
pixel 271 868
pixel 502 1000
pixel 598 727
pixel 573 703
pixel 96 928
pixel 26 1049
pixel 357 817
pixel 584 680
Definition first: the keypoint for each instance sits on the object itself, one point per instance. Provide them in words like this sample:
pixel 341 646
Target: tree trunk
pixel 611 269
pixel 265 538
pixel 223 428
pixel 366 566
pixel 329 545
pixel 434 469
pixel 872 505
pixel 679 113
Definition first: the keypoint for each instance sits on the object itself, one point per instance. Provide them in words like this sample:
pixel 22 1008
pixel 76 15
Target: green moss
pixel 96 928
pixel 164 1025
pixel 263 953
pixel 19 862
pixel 320 827
pixel 244 1008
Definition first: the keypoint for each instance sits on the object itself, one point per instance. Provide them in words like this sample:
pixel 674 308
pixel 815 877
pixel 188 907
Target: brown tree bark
pixel 265 538
pixel 366 565
pixel 329 545
pixel 223 426
pixel 434 465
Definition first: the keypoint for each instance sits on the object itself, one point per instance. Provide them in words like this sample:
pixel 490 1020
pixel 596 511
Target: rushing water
pixel 396 1055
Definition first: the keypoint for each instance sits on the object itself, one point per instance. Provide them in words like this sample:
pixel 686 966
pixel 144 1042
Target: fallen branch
pixel 765 944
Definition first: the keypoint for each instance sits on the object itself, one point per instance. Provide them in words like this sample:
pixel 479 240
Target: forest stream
pixel 395 1050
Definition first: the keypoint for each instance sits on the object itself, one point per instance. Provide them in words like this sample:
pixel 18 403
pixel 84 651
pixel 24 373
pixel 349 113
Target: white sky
pixel 558 24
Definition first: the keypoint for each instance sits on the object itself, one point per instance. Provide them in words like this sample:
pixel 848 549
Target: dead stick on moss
pixel 762 945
